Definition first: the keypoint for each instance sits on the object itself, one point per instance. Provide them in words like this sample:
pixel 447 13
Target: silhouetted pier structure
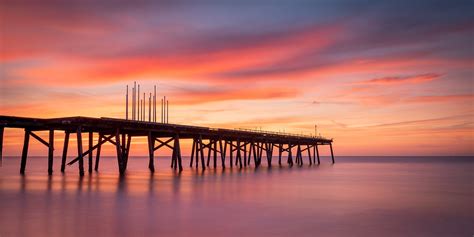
pixel 227 147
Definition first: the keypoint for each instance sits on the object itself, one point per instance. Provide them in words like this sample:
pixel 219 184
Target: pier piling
pixel 24 153
pixel 65 147
pixel 79 151
pixel 50 151
pixel 1 144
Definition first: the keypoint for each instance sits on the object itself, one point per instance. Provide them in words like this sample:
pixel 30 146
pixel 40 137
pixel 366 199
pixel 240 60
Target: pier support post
pixel 238 156
pixel 317 153
pixel 231 153
pixel 247 155
pixel 203 166
pixel 192 153
pixel 126 149
pixel 24 153
pixel 119 152
pixel 151 151
pixel 290 156
pixel 174 155
pixel 255 151
pixel 97 155
pixel 332 154
pixel 209 148
pixel 91 138
pixel 50 151
pixel 223 152
pixel 197 152
pixel 260 154
pixel 65 147
pixel 299 157
pixel 177 154
pixel 79 151
pixel 308 147
pixel 269 150
pixel 280 151
pixel 215 153
pixel 1 145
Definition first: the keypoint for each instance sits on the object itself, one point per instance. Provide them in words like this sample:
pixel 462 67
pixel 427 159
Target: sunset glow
pixel 384 83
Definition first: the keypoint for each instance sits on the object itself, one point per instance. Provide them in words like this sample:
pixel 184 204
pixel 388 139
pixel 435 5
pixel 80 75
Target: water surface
pixel 358 196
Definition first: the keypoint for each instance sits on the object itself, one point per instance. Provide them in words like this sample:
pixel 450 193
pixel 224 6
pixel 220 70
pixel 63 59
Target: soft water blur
pixel 358 196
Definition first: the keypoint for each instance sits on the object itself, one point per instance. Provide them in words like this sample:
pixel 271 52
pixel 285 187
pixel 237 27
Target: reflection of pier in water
pixel 235 147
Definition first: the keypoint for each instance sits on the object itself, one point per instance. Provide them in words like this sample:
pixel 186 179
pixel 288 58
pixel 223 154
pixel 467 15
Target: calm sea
pixel 358 196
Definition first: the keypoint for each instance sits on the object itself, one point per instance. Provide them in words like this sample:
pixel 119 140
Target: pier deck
pixel 245 146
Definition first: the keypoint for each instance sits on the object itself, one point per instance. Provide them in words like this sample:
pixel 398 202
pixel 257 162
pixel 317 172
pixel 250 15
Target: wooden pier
pixel 228 147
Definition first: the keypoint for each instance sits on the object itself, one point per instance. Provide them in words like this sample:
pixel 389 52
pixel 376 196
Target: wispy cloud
pixel 440 98
pixel 419 78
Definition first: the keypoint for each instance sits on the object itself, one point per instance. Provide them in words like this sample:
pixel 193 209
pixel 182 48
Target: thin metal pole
pixel 138 101
pixel 126 105
pixel 144 108
pixel 133 103
pixel 154 105
pixel 162 110
pixel 167 111
pixel 149 108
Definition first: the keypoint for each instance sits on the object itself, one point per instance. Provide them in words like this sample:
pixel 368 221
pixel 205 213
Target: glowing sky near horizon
pixel 380 77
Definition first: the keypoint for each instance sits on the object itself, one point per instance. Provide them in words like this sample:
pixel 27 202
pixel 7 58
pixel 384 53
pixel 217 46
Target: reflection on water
pixel 354 197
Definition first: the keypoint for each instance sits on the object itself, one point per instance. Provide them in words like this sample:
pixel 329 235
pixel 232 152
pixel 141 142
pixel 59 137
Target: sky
pixel 379 77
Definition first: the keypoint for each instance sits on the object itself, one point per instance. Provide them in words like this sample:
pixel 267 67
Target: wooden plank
pixel 165 143
pixel 39 139
pixel 106 139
